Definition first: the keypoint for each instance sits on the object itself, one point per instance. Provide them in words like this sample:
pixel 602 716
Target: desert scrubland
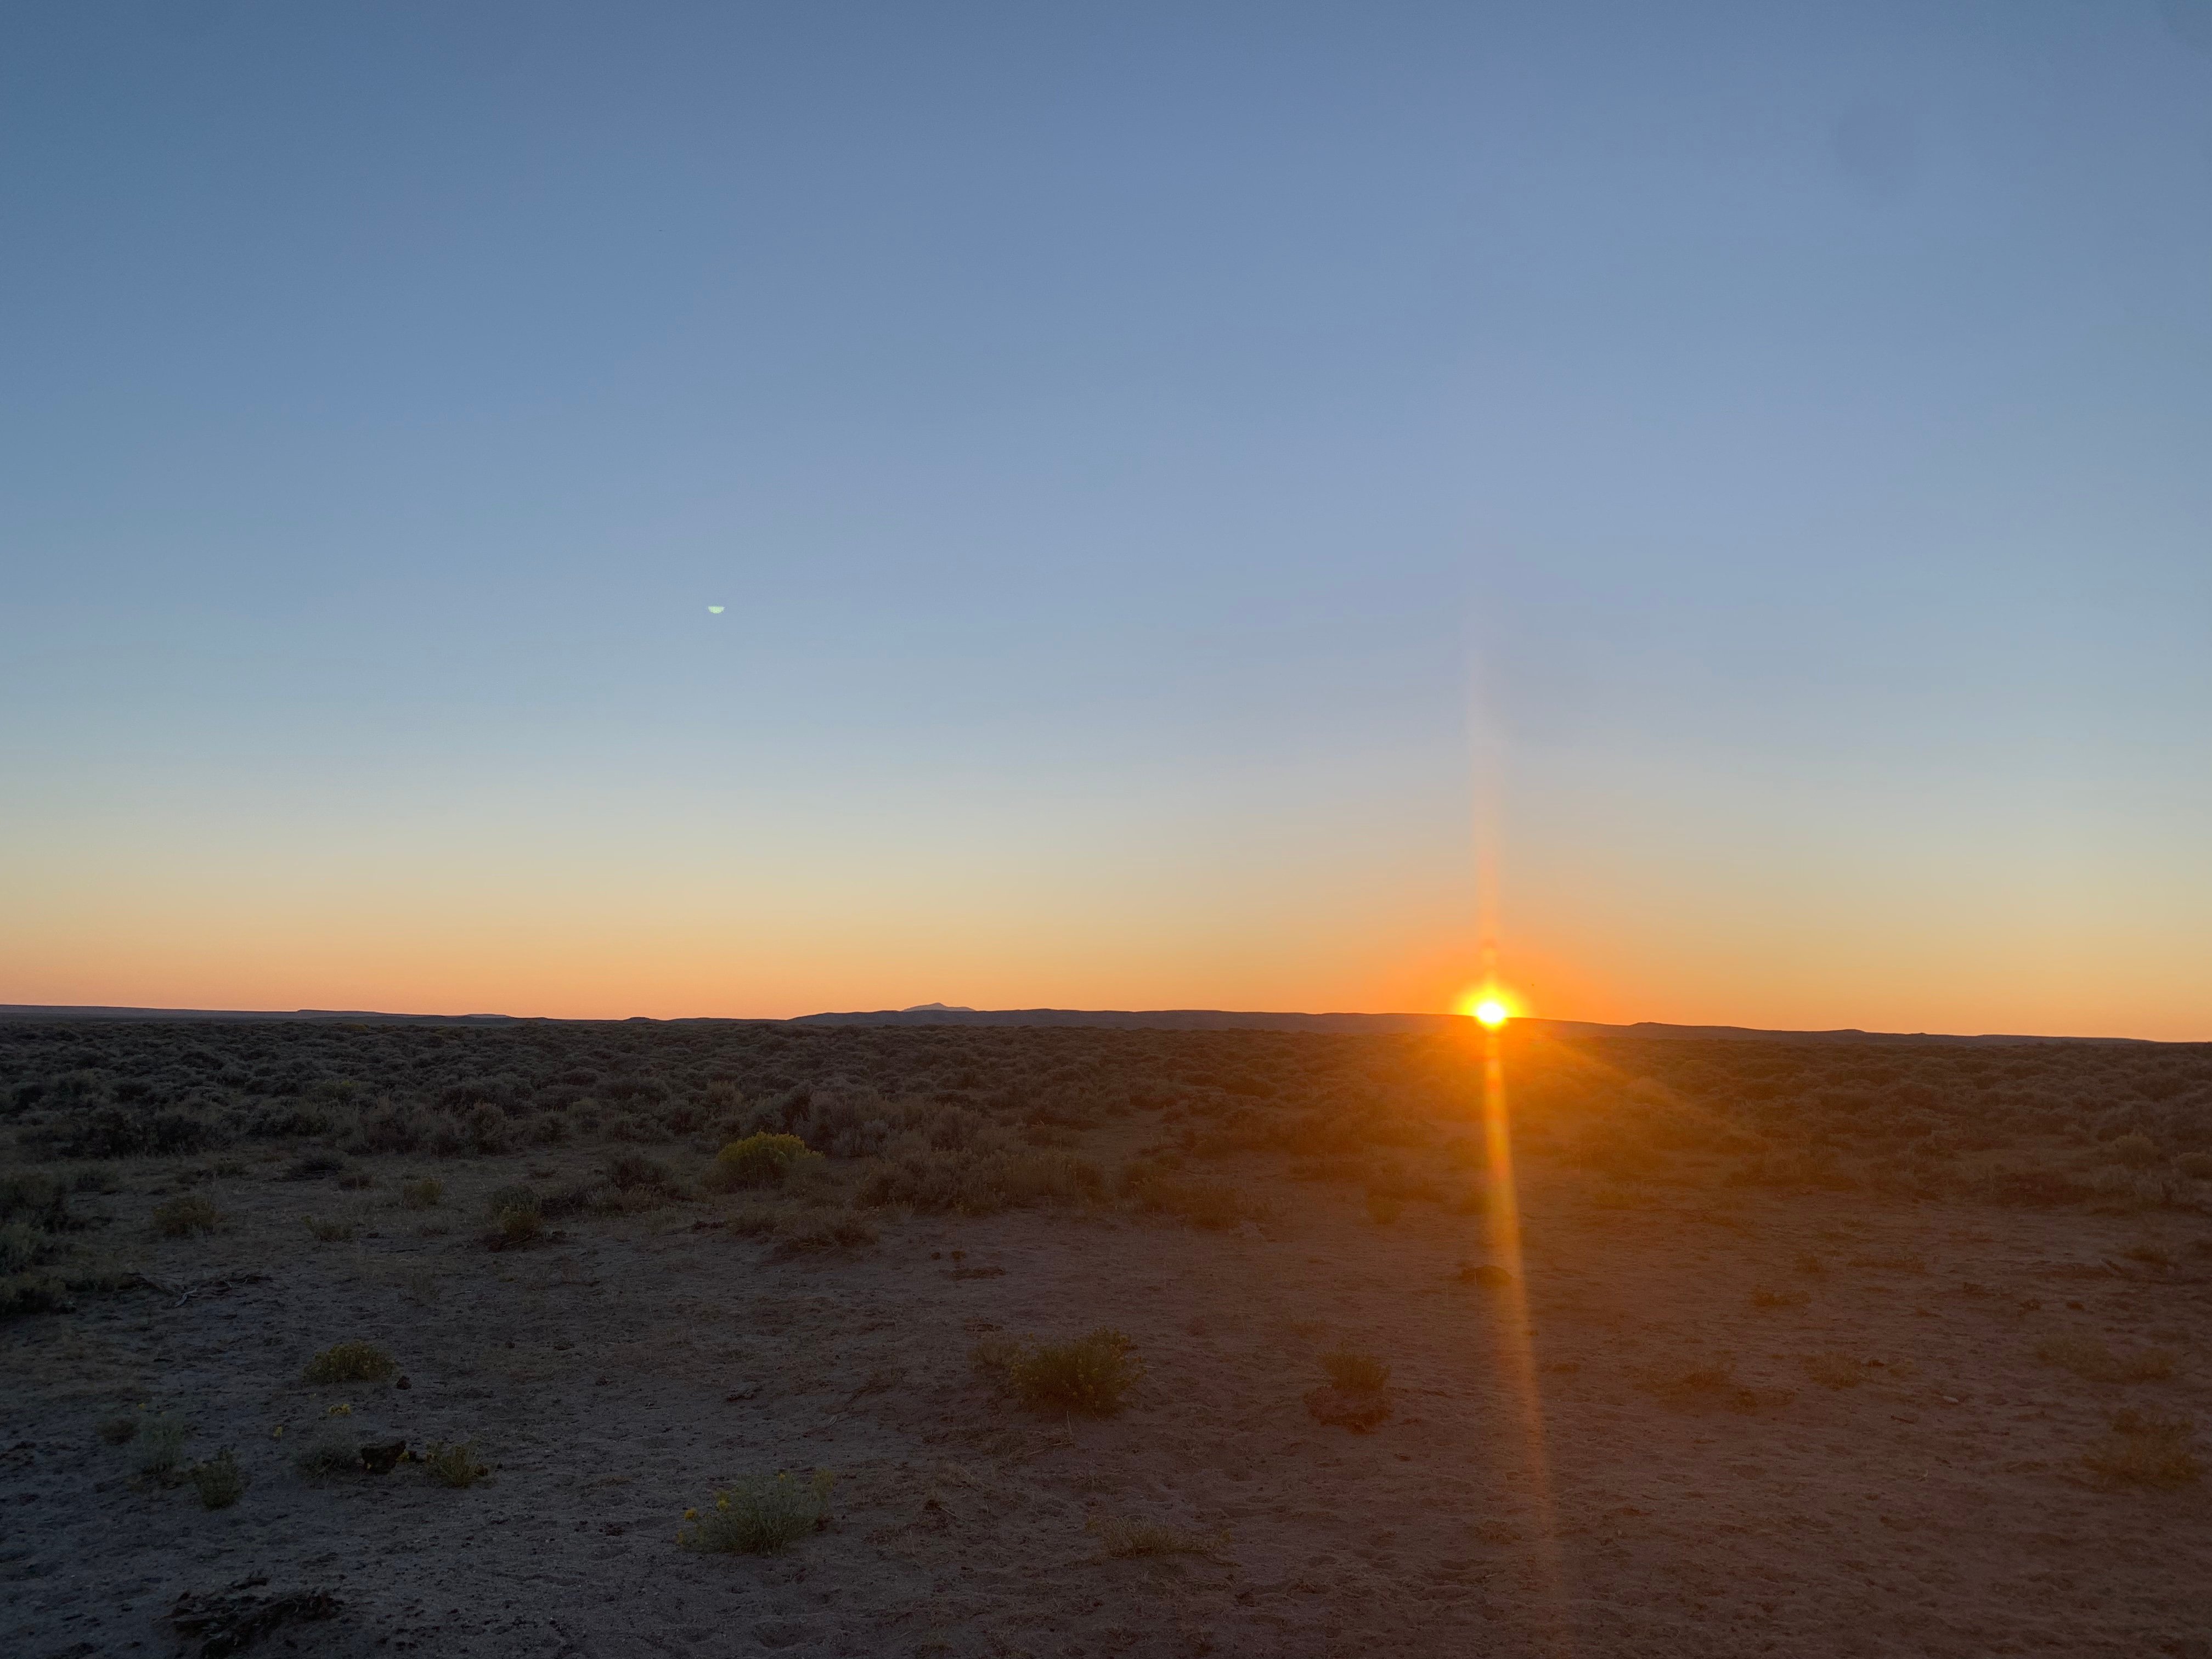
pixel 374 1338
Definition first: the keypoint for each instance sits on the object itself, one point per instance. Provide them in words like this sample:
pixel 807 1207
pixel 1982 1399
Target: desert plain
pixel 1787 1347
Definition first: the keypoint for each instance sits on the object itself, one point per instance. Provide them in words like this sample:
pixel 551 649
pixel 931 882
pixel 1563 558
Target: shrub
pixel 1090 1374
pixel 1127 1538
pixel 2198 1166
pixel 1212 1204
pixel 424 1195
pixel 220 1480
pixel 760 1515
pixel 1705 1388
pixel 1773 1298
pixel 2137 1151
pixel 331 1229
pixel 330 1449
pixel 22 1245
pixel 2091 1360
pixel 180 1218
pixel 119 1431
pixel 450 1465
pixel 39 1200
pixel 161 1450
pixel 350 1362
pixel 2146 1451
pixel 1834 1371
pixel 32 1293
pixel 1356 1373
pixel 759 1160
pixel 514 1226
pixel 1488 1275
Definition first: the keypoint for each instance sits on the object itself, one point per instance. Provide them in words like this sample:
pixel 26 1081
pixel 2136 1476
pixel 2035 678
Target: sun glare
pixel 1488 1007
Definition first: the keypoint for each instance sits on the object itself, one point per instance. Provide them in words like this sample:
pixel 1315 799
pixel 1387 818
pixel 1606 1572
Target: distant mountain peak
pixel 938 1008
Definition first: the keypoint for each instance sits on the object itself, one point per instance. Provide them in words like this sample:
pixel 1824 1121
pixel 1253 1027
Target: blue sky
pixel 1144 453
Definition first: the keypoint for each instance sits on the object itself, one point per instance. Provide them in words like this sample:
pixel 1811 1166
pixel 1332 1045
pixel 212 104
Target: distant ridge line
pixel 1219 1019
pixel 1157 1019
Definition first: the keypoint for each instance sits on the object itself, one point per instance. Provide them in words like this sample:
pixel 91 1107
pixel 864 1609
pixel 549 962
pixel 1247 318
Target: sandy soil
pixel 616 1374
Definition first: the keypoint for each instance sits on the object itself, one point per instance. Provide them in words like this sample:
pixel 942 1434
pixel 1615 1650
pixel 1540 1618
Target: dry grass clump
pixel 23 1246
pixel 1353 1396
pixel 1356 1373
pixel 799 1235
pixel 219 1480
pixel 1710 1386
pixel 118 1431
pixel 1121 1537
pixel 329 1450
pixel 2146 1451
pixel 1835 1370
pixel 454 1465
pixel 1488 1275
pixel 161 1450
pixel 331 1229
pixel 1212 1204
pixel 518 1218
pixel 2091 1360
pixel 426 1194
pixel 1090 1374
pixel 350 1362
pixel 181 1218
pixel 1767 1297
pixel 760 1515
pixel 979 1180
pixel 759 1160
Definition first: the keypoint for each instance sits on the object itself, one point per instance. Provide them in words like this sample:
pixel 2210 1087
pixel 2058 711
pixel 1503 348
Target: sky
pixel 1211 506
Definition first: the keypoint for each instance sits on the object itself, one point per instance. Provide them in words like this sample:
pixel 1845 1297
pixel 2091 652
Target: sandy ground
pixel 615 1375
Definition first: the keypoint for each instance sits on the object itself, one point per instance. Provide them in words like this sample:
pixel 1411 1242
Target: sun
pixel 1488 1007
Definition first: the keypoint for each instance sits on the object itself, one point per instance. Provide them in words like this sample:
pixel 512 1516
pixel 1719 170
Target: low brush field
pixel 614 1338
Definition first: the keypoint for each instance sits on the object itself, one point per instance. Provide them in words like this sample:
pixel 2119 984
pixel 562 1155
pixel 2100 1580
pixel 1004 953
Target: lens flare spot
pixel 714 609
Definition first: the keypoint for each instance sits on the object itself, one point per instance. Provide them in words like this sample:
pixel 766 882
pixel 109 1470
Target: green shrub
pixel 180 1218
pixel 760 1515
pixel 220 1480
pixel 450 1465
pixel 424 1195
pixel 1090 1374
pixel 1356 1373
pixel 350 1362
pixel 759 1160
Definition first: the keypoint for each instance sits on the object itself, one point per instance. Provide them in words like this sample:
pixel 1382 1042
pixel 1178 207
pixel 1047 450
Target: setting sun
pixel 1491 1013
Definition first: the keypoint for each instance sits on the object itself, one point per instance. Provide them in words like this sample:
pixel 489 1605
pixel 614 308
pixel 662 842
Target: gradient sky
pixel 1174 473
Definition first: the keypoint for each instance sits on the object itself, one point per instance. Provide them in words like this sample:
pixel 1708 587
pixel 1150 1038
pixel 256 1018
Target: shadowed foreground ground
pixel 1937 1507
